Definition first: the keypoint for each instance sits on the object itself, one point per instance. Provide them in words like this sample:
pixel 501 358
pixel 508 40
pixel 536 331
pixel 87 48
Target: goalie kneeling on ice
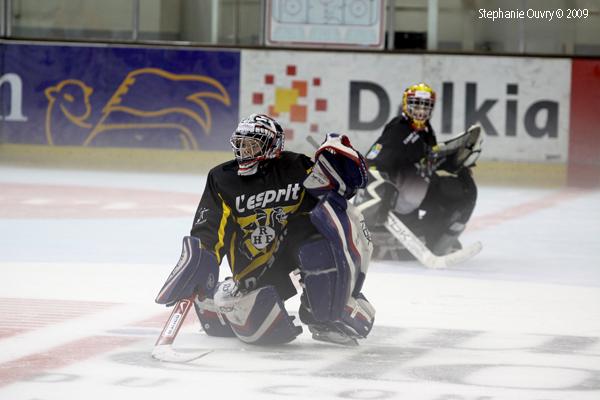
pixel 333 267
pixel 332 262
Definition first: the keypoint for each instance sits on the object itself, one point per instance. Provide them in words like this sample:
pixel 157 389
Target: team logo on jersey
pixel 268 197
pixel 263 230
pixel 262 236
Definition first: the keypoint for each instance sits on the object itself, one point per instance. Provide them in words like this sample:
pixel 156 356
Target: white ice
pixel 519 321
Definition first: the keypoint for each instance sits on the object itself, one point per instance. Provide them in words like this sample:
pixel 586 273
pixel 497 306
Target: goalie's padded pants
pixel 448 203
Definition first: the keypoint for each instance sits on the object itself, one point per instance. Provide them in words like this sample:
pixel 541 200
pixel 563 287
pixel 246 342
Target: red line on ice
pixel 63 355
pixel 20 200
pixel 58 357
pixel 23 315
pixel 524 209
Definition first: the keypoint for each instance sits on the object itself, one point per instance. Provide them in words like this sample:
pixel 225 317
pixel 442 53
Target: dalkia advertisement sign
pixel 521 105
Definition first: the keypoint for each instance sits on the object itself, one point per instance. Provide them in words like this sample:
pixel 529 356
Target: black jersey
pixel 242 217
pixel 400 147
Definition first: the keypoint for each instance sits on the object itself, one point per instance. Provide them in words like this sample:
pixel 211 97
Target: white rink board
pixel 539 83
pixel 537 79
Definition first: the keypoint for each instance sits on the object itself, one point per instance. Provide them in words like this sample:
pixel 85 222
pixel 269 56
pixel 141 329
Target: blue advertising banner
pixel 118 96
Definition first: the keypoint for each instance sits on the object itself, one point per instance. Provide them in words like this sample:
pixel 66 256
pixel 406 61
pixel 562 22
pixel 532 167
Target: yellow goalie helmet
pixel 417 103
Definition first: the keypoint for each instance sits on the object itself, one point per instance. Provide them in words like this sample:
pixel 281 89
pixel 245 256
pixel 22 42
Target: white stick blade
pixel 418 249
pixel 166 353
pixel 463 254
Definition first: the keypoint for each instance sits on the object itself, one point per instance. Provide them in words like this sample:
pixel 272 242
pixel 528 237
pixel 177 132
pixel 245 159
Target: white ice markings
pixel 37 201
pixel 403 363
pixel 120 206
pixel 498 360
pixel 477 360
pixel 111 206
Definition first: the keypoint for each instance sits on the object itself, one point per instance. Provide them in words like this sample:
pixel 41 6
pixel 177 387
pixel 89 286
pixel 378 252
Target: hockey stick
pixel 313 142
pixel 163 349
pixel 418 249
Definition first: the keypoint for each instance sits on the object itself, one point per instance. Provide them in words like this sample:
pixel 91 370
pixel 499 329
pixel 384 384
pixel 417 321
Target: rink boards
pixel 537 113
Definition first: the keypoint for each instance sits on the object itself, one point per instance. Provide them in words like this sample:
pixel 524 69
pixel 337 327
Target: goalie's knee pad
pixel 258 317
pixel 196 271
pixel 332 293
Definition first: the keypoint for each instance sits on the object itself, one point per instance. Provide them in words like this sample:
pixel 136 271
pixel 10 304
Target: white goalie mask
pixel 256 138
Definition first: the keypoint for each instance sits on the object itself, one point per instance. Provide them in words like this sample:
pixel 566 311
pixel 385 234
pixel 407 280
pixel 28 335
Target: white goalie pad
pixel 256 317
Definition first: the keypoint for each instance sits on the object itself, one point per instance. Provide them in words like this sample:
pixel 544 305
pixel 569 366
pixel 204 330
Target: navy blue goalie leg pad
pixel 196 271
pixel 333 269
pixel 326 286
pixel 333 312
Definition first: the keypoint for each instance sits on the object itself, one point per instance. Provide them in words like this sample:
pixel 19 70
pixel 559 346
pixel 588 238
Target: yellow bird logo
pixel 149 106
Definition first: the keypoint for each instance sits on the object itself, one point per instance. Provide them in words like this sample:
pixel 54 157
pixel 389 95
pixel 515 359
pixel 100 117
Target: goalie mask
pixel 256 138
pixel 417 104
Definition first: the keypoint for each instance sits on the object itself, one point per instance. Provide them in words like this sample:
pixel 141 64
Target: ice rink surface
pixel 83 254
